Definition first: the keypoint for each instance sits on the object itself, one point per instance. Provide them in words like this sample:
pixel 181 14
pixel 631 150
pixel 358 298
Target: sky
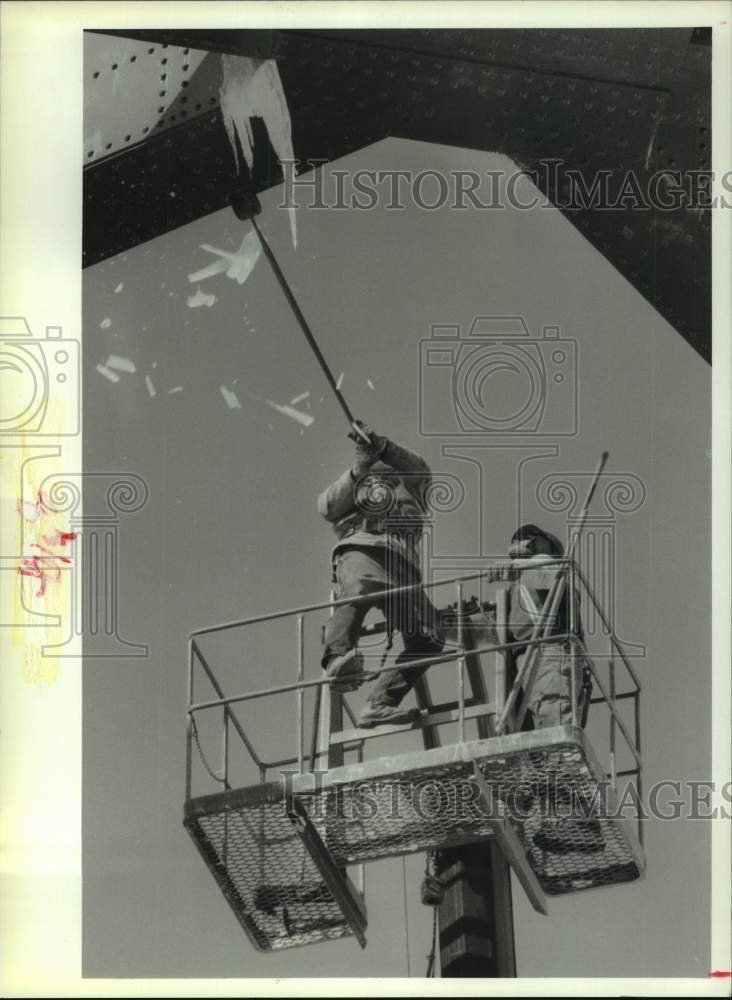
pixel 231 529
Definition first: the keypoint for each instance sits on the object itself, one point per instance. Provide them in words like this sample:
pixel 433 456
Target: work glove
pixel 366 454
pixel 502 572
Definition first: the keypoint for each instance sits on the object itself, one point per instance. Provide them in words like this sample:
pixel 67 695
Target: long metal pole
pixel 501 664
pixel 461 661
pixel 189 722
pixel 611 668
pixel 572 643
pixel 305 327
pixel 301 691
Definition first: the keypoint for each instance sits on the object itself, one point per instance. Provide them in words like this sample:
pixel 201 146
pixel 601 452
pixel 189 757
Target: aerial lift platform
pixel 284 849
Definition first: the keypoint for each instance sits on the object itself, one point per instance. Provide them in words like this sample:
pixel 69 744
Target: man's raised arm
pixel 339 499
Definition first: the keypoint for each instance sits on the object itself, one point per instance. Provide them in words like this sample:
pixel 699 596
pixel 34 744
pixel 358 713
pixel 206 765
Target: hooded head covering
pixel 529 531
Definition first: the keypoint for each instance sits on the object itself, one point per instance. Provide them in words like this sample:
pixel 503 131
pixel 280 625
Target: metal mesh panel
pixel 267 876
pixel 430 802
pixel 563 820
pixel 569 848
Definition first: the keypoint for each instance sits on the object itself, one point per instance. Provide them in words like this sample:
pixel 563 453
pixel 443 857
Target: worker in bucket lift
pixel 550 700
pixel 377 508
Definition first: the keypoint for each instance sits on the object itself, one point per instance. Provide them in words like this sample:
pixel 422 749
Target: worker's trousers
pixel 359 572
pixel 550 701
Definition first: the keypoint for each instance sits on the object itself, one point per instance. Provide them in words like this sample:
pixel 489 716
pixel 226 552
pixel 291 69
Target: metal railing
pixel 508 717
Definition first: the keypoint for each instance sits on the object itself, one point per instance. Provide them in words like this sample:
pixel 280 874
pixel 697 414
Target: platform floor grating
pixel 405 804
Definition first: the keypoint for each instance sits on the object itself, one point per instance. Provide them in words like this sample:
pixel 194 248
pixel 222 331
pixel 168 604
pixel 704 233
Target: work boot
pixel 346 672
pixel 567 836
pixel 385 715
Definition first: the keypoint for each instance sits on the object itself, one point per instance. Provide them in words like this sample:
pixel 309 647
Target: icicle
pixel 299 399
pixel 253 89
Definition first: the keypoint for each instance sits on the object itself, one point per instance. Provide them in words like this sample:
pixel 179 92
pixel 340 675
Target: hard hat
pixel 528 531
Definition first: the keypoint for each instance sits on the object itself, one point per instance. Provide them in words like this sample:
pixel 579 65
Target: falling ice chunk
pixel 369 383
pixel 150 386
pixel 121 364
pixel 253 89
pixel 339 383
pixel 302 418
pixel 108 374
pixel 119 288
pixel 246 257
pixel 209 272
pixel 200 299
pixel 230 398
pixel 106 323
pixel 299 399
pixel 239 265
pixel 176 388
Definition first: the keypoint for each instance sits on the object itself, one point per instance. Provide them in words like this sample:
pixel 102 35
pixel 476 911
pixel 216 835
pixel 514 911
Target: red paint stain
pixel 720 975
pixel 45 566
